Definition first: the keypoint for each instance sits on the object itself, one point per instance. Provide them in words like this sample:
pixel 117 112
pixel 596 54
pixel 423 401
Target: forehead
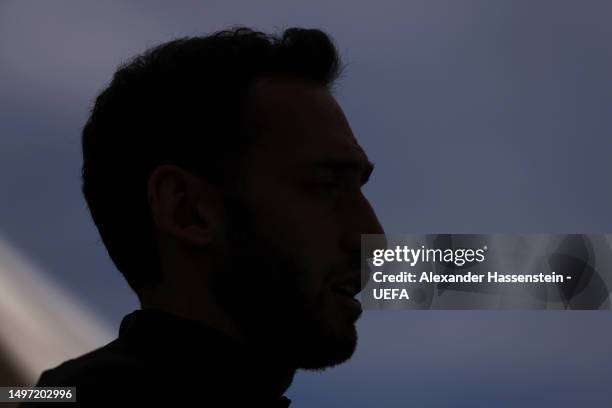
pixel 301 119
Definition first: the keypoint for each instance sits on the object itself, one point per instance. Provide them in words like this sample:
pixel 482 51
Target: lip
pixel 349 286
pixel 367 272
pixel 348 300
pixel 345 290
pixel 350 305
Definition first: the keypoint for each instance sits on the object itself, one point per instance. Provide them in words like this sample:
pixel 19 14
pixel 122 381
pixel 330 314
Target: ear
pixel 183 206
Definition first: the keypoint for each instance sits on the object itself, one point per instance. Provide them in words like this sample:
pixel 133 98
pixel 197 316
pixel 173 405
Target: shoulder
pixel 105 364
pixel 101 375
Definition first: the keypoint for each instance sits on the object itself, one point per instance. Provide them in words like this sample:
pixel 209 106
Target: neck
pixel 193 303
pixel 275 375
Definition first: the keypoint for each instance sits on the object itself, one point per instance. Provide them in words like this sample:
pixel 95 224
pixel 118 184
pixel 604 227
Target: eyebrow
pixel 365 167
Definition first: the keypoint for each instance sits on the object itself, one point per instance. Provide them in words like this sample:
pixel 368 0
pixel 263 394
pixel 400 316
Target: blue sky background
pixel 481 116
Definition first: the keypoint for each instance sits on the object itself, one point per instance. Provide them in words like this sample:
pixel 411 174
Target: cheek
pixel 302 215
pixel 303 229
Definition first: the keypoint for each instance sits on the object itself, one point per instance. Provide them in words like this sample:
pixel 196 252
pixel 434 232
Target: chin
pixel 328 350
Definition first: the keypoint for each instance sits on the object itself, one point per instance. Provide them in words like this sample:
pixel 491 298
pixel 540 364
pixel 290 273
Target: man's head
pixel 225 182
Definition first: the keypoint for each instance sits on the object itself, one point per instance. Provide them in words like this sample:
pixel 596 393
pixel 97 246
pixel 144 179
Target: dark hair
pixel 184 102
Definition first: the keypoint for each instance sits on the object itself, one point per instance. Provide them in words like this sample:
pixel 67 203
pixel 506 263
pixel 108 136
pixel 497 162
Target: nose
pixel 359 218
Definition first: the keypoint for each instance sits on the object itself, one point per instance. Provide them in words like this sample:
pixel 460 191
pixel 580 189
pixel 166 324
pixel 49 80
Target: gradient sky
pixel 481 116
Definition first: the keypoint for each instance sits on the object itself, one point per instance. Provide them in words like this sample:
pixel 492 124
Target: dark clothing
pixel 166 360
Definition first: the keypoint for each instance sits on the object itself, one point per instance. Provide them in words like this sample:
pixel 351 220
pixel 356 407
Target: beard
pixel 261 287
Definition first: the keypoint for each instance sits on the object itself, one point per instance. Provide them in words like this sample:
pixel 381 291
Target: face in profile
pixel 291 258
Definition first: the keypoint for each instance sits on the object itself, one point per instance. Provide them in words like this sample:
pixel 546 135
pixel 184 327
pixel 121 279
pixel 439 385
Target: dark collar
pixel 196 347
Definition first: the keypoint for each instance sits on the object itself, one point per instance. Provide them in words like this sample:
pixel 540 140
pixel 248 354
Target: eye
pixel 324 185
pixel 324 178
pixel 329 186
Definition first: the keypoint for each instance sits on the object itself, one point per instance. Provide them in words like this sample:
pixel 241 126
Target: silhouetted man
pixel 225 182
